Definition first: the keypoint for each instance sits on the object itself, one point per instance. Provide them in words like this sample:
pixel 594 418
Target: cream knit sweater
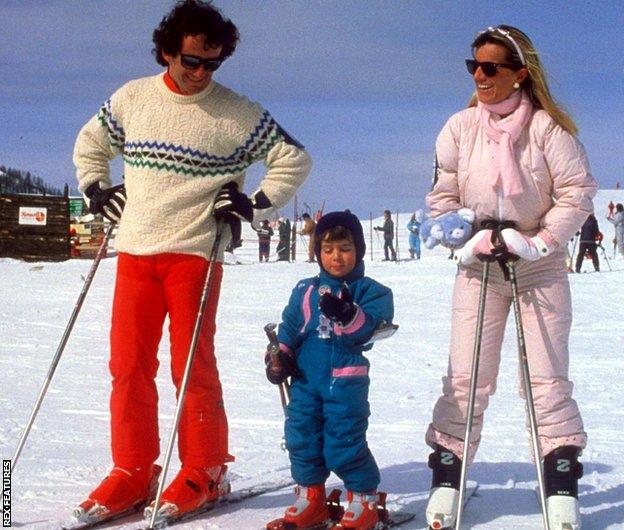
pixel 178 151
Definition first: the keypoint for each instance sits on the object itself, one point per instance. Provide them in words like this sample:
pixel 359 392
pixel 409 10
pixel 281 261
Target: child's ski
pixel 387 519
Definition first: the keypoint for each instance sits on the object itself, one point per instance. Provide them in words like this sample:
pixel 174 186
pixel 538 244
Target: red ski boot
pixel 362 513
pixel 122 492
pixel 311 510
pixel 193 490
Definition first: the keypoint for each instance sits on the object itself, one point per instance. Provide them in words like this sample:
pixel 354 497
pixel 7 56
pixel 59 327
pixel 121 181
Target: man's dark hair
pixel 194 17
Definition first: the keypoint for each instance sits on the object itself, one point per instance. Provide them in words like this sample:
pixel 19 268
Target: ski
pixel 471 488
pixel 129 516
pixel 135 515
pixel 387 518
pixel 233 498
pixel 394 519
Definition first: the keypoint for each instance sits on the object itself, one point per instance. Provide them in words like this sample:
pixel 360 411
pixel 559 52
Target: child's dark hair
pixel 194 17
pixel 336 233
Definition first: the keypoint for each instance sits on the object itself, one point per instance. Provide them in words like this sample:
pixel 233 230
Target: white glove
pixel 529 248
pixel 479 244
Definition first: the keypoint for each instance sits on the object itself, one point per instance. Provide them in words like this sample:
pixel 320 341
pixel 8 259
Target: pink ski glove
pixel 479 244
pixel 529 248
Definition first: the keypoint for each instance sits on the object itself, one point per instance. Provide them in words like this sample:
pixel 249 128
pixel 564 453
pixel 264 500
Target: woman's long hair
pixel 535 84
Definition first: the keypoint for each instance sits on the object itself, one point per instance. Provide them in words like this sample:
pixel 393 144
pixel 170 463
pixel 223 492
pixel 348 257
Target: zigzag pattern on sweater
pixel 188 161
pixel 116 134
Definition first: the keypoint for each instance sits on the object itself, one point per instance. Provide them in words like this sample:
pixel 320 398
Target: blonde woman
pixel 512 155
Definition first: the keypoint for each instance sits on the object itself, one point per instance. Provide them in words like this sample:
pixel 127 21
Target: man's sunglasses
pixel 489 69
pixel 192 62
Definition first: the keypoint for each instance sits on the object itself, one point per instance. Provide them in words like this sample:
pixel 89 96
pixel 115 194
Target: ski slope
pixel 68 449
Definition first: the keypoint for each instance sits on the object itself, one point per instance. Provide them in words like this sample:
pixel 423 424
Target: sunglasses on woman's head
pixel 192 62
pixel 508 36
pixel 488 68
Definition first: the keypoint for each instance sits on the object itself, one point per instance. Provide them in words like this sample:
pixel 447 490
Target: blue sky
pixel 365 85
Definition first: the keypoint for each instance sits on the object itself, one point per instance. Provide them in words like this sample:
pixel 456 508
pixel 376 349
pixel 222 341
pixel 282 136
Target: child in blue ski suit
pixel 325 327
pixel 413 227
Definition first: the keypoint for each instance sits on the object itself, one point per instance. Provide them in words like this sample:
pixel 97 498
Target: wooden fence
pixel 34 227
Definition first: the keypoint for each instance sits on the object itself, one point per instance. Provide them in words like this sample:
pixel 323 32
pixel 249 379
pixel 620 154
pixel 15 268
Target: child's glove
pixel 340 309
pixel 281 366
pixel 529 248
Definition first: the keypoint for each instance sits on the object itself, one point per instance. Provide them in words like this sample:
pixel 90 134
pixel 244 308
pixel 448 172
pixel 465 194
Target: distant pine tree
pixel 18 181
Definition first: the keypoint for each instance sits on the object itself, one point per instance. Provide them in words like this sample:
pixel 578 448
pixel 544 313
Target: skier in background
pixel 525 149
pixel 325 326
pixel 183 172
pixel 264 240
pixel 308 230
pixel 610 208
pixel 283 246
pixel 413 227
pixel 618 223
pixel 388 235
pixel 589 234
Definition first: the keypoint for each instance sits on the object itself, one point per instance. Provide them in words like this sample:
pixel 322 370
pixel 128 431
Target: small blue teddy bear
pixel 451 230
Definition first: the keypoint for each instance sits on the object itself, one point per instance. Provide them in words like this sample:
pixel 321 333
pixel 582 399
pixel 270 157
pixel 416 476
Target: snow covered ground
pixel 68 450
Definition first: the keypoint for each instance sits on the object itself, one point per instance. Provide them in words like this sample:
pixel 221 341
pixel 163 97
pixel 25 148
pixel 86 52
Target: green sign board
pixel 76 207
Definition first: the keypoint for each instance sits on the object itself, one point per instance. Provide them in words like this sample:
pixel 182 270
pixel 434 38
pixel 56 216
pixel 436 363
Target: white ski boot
pixel 444 495
pixel 563 513
pixel 561 473
pixel 442 508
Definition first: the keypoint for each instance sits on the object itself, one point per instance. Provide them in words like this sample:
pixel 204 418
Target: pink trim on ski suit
pixel 552 165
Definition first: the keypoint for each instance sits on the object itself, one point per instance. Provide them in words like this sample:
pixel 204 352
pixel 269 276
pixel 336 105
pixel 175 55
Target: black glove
pixel 342 309
pixel 230 201
pixel 280 369
pixel 109 202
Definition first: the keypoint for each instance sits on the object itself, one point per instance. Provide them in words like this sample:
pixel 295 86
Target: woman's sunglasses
pixel 192 62
pixel 489 69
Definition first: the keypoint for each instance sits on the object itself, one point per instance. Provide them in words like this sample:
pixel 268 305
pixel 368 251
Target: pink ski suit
pixel 557 198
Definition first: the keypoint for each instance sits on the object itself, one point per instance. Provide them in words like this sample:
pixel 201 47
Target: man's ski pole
pixel 284 388
pixel 61 347
pixel 526 382
pixel 474 371
pixel 187 370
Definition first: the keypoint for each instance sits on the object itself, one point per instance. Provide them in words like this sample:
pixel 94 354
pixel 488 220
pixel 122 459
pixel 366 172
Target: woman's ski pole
pixel 59 351
pixel 187 370
pixel 474 371
pixel 526 382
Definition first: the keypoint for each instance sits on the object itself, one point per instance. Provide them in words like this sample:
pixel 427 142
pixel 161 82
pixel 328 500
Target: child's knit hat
pixel 349 221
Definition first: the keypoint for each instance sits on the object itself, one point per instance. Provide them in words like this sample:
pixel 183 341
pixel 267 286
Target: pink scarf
pixel 504 171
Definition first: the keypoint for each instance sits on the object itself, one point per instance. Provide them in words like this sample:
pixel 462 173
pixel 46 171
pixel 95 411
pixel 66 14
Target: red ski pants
pixel 147 288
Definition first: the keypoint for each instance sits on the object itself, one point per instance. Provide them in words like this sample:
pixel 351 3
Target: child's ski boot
pixel 362 513
pixel 312 510
pixel 561 473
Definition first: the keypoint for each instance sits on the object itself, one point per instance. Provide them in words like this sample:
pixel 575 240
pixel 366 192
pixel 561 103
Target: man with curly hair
pixel 186 142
